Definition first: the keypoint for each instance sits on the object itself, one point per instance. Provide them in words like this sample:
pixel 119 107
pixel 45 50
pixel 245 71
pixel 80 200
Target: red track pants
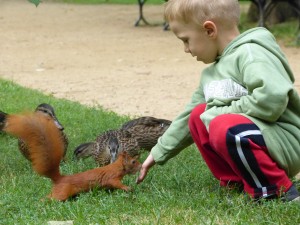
pixel 234 150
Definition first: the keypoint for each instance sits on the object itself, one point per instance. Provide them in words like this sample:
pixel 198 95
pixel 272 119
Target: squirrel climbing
pixel 46 149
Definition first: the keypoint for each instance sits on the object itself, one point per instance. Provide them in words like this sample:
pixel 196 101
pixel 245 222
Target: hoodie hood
pixel 260 36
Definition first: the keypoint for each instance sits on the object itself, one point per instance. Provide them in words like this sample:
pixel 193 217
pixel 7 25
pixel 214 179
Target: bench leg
pixel 260 4
pixel 298 32
pixel 296 6
pixel 166 26
pixel 141 16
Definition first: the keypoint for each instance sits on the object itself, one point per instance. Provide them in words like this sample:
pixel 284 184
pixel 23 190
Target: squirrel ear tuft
pixel 3 116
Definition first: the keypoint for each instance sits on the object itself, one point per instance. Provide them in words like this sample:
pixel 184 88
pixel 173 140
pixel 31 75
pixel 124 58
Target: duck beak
pixel 113 157
pixel 59 126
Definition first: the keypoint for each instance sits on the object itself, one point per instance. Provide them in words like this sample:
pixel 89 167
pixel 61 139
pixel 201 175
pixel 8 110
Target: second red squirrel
pixel 46 149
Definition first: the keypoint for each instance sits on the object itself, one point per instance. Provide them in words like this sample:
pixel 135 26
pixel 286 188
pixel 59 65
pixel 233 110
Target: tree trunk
pixel 282 12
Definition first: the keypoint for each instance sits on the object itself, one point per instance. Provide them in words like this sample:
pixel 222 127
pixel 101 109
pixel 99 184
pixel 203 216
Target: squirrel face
pixel 131 164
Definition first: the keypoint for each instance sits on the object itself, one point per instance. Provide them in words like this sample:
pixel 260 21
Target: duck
pixel 46 110
pixel 146 130
pixel 107 146
pixel 134 136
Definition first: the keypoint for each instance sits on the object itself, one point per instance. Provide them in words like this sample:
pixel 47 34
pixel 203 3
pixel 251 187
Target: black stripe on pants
pixel 238 145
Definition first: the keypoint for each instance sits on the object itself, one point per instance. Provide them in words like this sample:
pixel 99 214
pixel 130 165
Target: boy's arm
pixel 177 136
pixel 175 139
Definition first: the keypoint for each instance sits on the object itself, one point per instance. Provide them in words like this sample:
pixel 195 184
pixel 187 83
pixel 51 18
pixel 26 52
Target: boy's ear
pixel 210 28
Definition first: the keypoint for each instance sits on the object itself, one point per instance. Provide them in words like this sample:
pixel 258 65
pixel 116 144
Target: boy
pixel 245 115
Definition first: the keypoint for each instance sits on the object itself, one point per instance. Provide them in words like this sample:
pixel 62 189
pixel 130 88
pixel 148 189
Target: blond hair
pixel 197 11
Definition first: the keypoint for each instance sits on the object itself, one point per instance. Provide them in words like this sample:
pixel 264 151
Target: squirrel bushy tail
pixel 45 145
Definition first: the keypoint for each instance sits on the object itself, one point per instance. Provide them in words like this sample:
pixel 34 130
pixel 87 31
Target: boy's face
pixel 197 41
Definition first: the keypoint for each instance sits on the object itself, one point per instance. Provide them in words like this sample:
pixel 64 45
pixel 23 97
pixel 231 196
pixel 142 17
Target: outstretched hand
pixel 147 164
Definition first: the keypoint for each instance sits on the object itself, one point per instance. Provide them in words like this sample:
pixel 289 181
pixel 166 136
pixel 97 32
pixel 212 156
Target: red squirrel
pixel 46 149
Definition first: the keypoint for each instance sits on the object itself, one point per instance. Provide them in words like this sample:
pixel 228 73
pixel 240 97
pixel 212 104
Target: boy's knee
pixel 219 126
pixel 196 112
pixel 219 123
pixel 223 122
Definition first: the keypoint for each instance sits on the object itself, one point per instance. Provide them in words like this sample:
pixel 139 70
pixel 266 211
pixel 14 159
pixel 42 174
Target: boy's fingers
pixel 143 173
pixel 148 163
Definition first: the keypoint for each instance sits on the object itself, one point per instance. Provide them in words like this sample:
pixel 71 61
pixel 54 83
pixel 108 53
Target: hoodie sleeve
pixel 268 86
pixel 177 136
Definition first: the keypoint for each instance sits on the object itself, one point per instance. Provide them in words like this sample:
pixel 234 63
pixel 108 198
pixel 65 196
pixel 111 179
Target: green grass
pixel 181 192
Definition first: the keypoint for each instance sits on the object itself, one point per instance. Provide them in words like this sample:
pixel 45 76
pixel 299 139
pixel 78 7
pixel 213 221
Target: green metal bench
pixel 141 17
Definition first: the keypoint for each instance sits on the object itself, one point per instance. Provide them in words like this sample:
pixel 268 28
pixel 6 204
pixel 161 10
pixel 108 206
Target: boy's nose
pixel 186 49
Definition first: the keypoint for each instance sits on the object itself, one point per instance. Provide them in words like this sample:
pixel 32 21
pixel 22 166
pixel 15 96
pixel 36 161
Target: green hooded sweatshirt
pixel 252 77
